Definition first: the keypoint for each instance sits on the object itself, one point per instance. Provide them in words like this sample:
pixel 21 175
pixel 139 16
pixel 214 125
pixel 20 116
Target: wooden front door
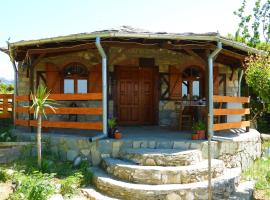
pixel 135 95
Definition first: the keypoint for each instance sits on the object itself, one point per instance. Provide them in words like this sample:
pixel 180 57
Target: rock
pixel 85 152
pixel 5 190
pixel 77 161
pixel 265 137
pixel 173 196
pixel 189 196
pixel 150 162
pixel 56 197
pixel 71 155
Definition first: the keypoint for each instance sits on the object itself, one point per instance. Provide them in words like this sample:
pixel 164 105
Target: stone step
pixel 222 187
pixel 244 191
pixel 92 194
pixel 156 175
pixel 161 157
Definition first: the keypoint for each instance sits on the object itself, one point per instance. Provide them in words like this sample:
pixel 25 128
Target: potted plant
pixel 112 127
pixel 117 134
pixel 199 128
pixel 195 136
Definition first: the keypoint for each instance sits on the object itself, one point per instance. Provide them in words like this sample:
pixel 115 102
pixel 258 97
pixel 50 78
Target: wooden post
pixel 247 116
pixel 31 82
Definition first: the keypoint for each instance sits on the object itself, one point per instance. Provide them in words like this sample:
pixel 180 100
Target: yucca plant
pixel 41 101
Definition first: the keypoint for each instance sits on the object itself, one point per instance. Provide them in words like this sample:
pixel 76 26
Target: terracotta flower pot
pixel 117 135
pixel 201 134
pixel 195 136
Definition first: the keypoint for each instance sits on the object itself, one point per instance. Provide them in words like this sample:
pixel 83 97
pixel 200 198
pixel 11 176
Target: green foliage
pixel 112 123
pixel 86 172
pixel 267 177
pixel 6 88
pixel 5 135
pixel 33 186
pixel 260 172
pixel 258 78
pixel 41 101
pixel 252 25
pixel 4 176
pixel 70 185
pixel 53 177
pixel 199 126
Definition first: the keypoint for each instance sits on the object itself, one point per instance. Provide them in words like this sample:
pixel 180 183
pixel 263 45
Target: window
pixel 69 86
pixel 192 83
pixel 75 79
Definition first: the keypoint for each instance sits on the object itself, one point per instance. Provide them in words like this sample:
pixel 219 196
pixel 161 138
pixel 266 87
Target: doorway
pixel 136 96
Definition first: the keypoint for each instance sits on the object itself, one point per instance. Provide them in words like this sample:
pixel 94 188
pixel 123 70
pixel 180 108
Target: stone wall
pixel 10 151
pixel 237 150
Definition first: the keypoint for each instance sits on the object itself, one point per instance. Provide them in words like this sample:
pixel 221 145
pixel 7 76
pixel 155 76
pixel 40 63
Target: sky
pixel 35 19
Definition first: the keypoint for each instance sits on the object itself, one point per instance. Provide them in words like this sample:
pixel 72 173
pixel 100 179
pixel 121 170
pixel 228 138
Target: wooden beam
pixel 20 122
pixel 231 111
pixel 233 54
pixel 37 60
pixel 66 97
pixel 61 49
pixel 23 98
pixel 64 110
pixel 88 96
pixel 75 125
pixel 8 106
pixel 8 96
pixel 186 46
pixel 225 126
pixel 231 99
pixel 5 115
pixel 195 55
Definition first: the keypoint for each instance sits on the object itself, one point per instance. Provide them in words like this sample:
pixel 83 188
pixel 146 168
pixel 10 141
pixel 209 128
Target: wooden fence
pixel 63 110
pixel 6 106
pixel 231 111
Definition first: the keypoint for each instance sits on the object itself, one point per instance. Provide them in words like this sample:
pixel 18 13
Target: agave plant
pixel 41 101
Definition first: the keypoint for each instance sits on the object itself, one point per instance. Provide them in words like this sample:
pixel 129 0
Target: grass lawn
pixel 260 172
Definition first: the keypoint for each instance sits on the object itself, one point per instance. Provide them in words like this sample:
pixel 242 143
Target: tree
pixel 254 29
pixel 41 101
pixel 258 78
pixel 6 88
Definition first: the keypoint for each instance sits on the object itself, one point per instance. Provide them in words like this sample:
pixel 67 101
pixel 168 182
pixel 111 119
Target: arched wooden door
pixel 135 101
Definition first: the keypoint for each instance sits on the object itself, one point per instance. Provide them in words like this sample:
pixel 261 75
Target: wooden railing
pixel 63 110
pixel 231 111
pixel 6 105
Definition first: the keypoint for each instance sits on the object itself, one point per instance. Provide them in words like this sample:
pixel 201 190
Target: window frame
pixel 190 79
pixel 75 77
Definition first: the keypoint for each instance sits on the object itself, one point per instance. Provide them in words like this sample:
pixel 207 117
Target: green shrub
pixel 33 186
pixel 4 176
pixel 267 177
pixel 70 185
pixel 5 135
pixel 86 172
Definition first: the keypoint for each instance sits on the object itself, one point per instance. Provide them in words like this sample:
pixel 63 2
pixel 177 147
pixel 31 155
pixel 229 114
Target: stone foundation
pixel 237 151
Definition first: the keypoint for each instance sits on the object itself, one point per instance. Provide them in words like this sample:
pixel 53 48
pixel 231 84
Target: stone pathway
pixel 5 190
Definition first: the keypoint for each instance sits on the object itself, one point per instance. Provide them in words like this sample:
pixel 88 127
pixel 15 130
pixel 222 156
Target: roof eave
pixel 213 37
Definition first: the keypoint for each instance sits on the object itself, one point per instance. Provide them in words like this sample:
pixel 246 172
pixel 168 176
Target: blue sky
pixel 33 19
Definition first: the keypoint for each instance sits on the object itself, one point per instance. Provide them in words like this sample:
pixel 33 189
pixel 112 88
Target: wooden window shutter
pixel 53 78
pixel 215 77
pixel 175 82
pixel 95 80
